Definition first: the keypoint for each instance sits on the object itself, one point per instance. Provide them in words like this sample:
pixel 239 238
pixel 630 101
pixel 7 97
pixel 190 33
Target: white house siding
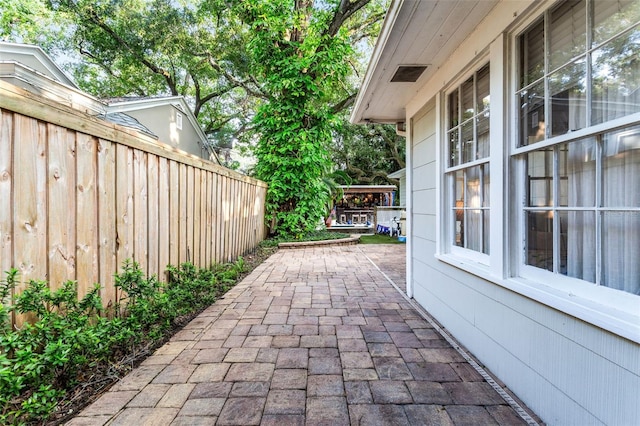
pixel 156 118
pixel 403 191
pixel 568 371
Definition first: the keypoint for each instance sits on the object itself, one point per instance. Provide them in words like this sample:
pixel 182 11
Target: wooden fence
pixel 79 195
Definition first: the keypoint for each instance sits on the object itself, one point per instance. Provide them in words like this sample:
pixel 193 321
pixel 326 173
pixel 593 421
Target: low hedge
pixel 71 347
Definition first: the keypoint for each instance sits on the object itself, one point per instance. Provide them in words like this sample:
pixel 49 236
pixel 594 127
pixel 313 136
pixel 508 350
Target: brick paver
pixel 312 336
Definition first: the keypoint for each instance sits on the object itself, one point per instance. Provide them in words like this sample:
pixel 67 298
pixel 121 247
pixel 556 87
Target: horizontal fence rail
pixel 79 195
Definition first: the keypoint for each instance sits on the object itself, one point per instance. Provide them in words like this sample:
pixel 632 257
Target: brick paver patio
pixel 313 336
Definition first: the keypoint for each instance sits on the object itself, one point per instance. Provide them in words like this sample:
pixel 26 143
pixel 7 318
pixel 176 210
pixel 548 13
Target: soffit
pixel 414 33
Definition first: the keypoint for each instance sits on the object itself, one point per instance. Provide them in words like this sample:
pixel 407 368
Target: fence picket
pixel 107 219
pixel 61 183
pixel 163 216
pixel 85 195
pixel 152 215
pixel 6 183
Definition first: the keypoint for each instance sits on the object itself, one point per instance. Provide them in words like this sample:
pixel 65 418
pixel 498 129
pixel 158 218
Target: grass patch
pixel 379 239
pixel 310 236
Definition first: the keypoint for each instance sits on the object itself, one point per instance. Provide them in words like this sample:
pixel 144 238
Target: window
pixel 579 74
pixel 467 173
pixel 179 120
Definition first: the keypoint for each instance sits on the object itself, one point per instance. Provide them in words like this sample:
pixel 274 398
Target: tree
pixel 148 48
pixel 368 153
pixel 301 52
pixel 271 72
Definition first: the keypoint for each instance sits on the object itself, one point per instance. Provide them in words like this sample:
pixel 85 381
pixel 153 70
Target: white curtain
pixel 620 259
pixel 473 217
pixel 621 229
pixel 579 254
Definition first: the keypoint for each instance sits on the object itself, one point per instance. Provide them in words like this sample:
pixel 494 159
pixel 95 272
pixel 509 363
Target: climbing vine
pixel 300 56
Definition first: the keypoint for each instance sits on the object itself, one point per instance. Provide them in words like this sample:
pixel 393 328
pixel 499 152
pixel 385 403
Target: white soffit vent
pixel 408 73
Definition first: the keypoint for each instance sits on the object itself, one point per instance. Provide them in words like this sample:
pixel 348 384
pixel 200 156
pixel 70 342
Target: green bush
pixel 65 338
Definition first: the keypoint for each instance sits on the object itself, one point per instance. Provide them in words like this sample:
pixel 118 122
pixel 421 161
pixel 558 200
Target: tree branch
pixel 100 63
pixel 344 12
pixel 92 17
pixel 234 81
pixel 345 103
pixel 367 28
pixel 393 148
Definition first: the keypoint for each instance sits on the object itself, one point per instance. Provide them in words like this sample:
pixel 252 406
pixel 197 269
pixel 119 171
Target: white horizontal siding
pixel 521 342
pixel 403 191
pixel 424 177
pixel 568 371
pixel 425 226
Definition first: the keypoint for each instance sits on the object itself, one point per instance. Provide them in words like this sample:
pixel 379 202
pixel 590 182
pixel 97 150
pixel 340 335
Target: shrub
pixel 66 338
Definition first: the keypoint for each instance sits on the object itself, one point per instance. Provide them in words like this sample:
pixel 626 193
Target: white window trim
pixel 471 255
pixel 613 310
pixel 179 120
pixel 444 248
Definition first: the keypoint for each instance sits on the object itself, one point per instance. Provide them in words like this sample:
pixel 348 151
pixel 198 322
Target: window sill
pixel 596 305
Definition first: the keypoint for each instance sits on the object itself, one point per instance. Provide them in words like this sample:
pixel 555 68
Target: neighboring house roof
pixel 32 69
pixel 128 121
pixel 36 59
pixel 123 104
pixel 128 104
pixel 417 37
pixel 398 174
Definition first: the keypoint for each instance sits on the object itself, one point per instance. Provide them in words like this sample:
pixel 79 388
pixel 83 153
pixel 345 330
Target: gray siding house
pixel 165 119
pixel 523 189
pixel 171 121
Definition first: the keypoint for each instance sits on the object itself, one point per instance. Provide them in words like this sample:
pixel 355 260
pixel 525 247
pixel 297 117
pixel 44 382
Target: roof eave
pixel 378 50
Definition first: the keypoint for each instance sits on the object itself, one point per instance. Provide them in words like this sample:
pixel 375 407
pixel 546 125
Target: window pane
pixel 483 135
pixel 567 32
pixel 616 78
pixel 467 99
pixel 539 249
pixel 486 180
pixel 468 141
pixel 454 109
pixel 531 117
pixel 454 154
pixel 532 54
pixel 459 228
pixel 621 169
pixel 540 178
pixel 474 219
pixel 577 168
pixel 458 209
pixel 621 251
pixel 459 198
pixel 568 98
pixel 473 187
pixel 578 244
pixel 473 230
pixel 483 89
pixel 612 16
pixel 468 146
pixel 485 232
